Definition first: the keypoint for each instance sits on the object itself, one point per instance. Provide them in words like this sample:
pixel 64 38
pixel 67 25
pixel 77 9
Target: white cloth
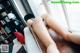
pixel 30 42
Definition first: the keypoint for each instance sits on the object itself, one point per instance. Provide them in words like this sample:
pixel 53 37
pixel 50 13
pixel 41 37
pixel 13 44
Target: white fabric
pixel 17 46
pixel 30 42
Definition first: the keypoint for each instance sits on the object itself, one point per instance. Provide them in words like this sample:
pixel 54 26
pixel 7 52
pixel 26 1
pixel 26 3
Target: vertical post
pixel 66 14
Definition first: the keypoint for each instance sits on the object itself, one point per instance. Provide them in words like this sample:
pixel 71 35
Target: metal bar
pixel 26 6
pixel 19 9
pixel 66 15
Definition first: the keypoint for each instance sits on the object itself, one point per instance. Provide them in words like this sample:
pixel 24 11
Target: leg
pixel 66 35
pixel 55 26
pixel 41 31
pixel 62 45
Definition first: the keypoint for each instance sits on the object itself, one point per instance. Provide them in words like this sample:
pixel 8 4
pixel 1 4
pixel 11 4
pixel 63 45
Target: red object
pixel 19 37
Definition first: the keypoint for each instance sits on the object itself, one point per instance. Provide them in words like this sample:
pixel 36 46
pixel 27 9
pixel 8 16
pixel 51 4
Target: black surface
pixel 29 16
pixel 27 6
pixel 22 50
pixel 11 47
pixel 2 1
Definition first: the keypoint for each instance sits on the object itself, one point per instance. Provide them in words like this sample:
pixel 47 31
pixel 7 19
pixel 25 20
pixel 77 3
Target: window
pixel 57 13
pixel 73 11
pixel 68 15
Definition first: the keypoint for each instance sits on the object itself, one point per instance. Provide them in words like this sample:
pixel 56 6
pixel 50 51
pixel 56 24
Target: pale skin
pixel 42 32
pixel 58 29
pixel 62 45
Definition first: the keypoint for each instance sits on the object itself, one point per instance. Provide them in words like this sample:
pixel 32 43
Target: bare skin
pixel 59 30
pixel 62 45
pixel 42 33
pixel 50 45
